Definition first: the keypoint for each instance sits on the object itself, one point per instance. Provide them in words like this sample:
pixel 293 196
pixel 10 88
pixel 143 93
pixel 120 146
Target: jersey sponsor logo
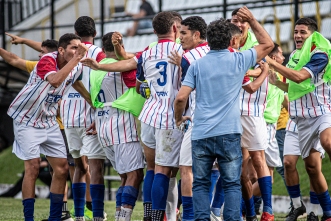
pixel 74 95
pixel 102 113
pixel 53 98
pixel 162 93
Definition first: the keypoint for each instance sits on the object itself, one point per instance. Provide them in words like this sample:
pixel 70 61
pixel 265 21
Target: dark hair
pixel 310 23
pixel 50 44
pixel 228 20
pixel 234 29
pixel 234 12
pixel 107 43
pixel 177 16
pixel 85 26
pixel 162 22
pixel 65 39
pixel 218 34
pixel 196 23
pixel 274 50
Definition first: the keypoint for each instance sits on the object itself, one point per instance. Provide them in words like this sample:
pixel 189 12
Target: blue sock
pixel 313 198
pixel 56 201
pixel 160 191
pixel 188 213
pixel 28 209
pixel 147 188
pixel 214 177
pixel 266 190
pixel 78 192
pixel 242 206
pixel 325 202
pixel 294 191
pixel 250 209
pixel 98 197
pixel 257 202
pixel 119 196
pixel 218 198
pixel 179 187
pixel 129 196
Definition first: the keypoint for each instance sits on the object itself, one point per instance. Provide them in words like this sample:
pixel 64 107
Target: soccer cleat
pixel 312 217
pixel 66 216
pixel 147 218
pixel 295 213
pixel 326 218
pixel 253 218
pixel 125 214
pixel 178 215
pixel 88 214
pixel 267 217
pixel 213 217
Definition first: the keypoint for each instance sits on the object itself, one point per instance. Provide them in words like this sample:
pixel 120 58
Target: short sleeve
pixel 140 72
pixel 190 77
pixel 246 81
pixel 100 56
pixel 317 64
pixel 46 65
pixel 248 59
pixel 29 65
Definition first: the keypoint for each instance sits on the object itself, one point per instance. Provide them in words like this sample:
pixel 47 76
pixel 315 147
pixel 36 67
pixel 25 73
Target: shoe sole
pixel 303 216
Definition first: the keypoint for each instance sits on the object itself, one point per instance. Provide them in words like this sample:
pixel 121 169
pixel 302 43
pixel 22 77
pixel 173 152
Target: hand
pixel 273 78
pixel 15 39
pixel 270 61
pixel 91 130
pixel 91 63
pixel 245 15
pixel 254 73
pixel 263 65
pixel 175 58
pixel 182 120
pixel 116 38
pixel 81 50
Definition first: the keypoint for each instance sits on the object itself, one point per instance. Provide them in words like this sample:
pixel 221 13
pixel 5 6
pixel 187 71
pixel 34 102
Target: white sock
pixel 314 208
pixel 125 214
pixel 117 214
pixel 172 200
pixel 296 202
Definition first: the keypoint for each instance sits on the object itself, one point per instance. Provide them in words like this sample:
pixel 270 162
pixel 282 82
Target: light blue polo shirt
pixel 217 79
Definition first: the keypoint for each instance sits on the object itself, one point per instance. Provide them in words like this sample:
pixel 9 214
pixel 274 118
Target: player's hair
pixel 65 39
pixel 310 23
pixel 218 34
pixel 85 26
pixel 196 23
pixel 50 44
pixel 274 51
pixel 107 43
pixel 162 22
pixel 228 20
pixel 234 12
pixel 234 30
pixel 177 16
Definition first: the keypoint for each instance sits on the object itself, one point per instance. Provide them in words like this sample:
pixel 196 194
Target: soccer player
pixel 77 116
pixel 36 131
pixel 193 40
pixel 307 71
pixel 217 121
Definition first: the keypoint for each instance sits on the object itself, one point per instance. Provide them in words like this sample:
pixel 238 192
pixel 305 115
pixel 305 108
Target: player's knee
pixel 61 170
pixel 289 165
pixel 311 169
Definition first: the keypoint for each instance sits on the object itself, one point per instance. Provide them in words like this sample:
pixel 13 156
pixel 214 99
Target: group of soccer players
pixel 125 107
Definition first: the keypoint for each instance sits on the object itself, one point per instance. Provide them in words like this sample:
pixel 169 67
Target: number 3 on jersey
pixel 163 80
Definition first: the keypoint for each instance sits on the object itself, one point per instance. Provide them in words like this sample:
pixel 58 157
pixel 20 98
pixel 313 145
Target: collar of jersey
pixel 202 44
pixel 86 42
pixel 164 40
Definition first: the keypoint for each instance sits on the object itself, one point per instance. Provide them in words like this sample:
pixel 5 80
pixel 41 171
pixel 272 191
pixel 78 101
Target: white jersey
pixel 164 82
pixel 253 104
pixel 75 111
pixel 291 126
pixel 317 102
pixel 190 56
pixel 114 126
pixel 37 103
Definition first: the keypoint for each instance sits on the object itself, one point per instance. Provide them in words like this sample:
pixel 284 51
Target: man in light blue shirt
pixel 217 79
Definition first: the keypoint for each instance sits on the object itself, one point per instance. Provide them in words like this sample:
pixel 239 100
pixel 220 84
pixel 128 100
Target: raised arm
pixel 120 66
pixel 13 59
pixel 254 85
pixel 120 52
pixel 18 40
pixel 265 42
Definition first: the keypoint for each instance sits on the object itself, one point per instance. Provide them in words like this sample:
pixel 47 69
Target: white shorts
pixel 166 142
pixel 81 144
pixel 30 142
pixel 272 151
pixel 110 153
pixel 291 145
pixel 309 131
pixel 254 136
pixel 185 156
pixel 128 157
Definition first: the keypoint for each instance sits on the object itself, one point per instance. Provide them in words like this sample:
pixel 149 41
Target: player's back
pixel 164 81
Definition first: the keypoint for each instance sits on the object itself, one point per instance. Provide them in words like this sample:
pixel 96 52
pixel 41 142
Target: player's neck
pixel 111 55
pixel 243 40
pixel 88 39
pixel 168 36
pixel 61 62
